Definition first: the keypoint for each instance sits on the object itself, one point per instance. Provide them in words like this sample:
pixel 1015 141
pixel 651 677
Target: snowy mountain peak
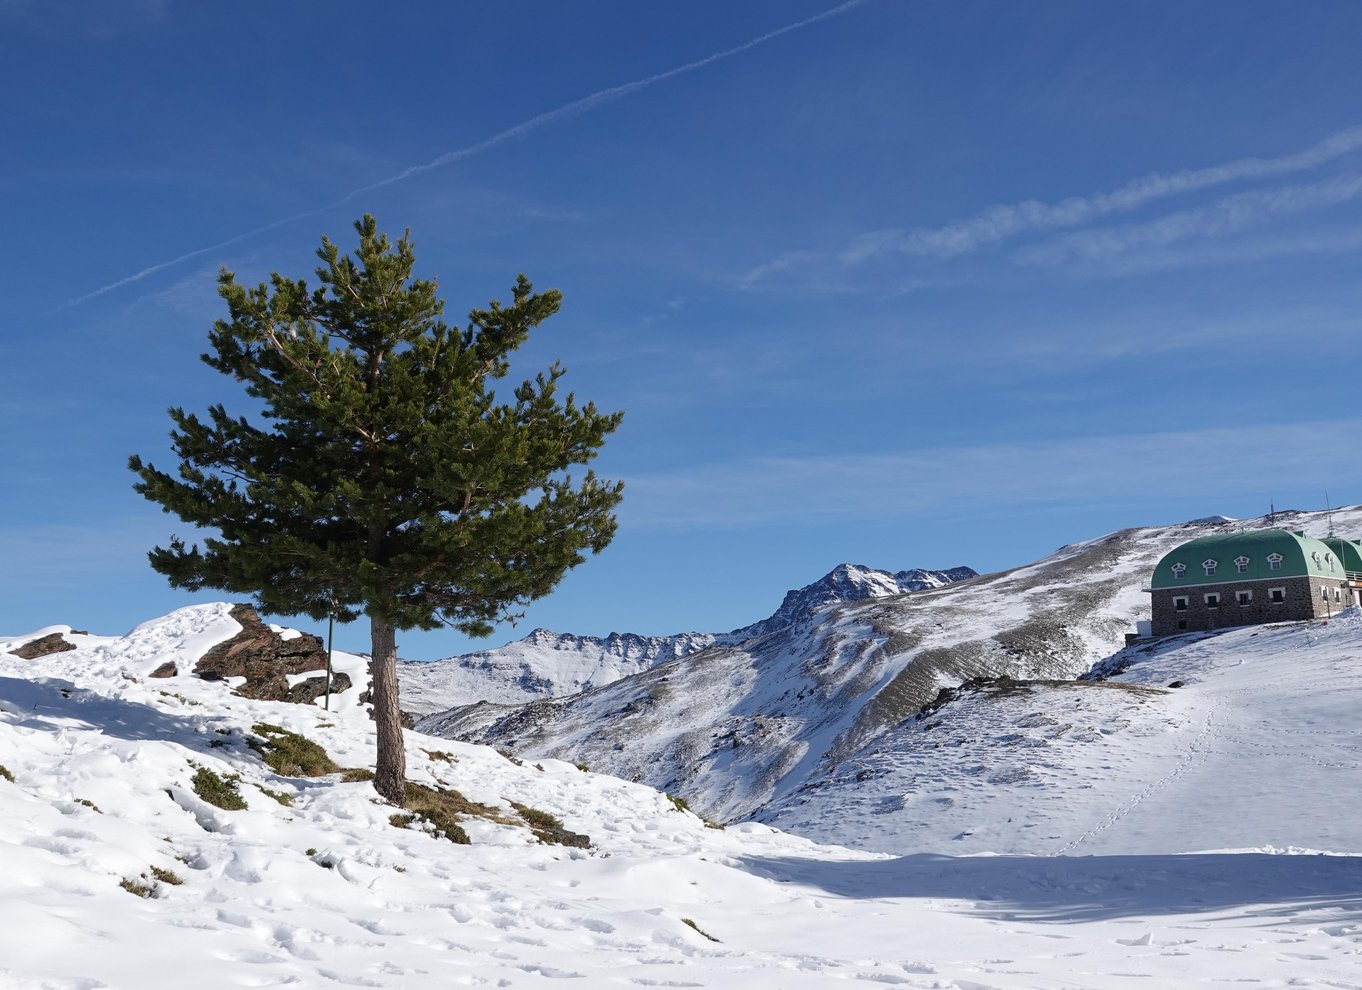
pixel 548 664
pixel 851 583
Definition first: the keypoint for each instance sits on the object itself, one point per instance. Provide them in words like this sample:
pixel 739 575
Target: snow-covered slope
pixel 547 664
pixel 737 728
pixel 97 797
pixel 1256 746
pixel 544 664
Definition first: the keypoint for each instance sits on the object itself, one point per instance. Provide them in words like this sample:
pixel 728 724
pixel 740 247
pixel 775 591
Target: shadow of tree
pixel 1064 889
pixel 50 704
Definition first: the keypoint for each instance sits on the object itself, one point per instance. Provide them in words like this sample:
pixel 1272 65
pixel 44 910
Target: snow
pixel 1190 836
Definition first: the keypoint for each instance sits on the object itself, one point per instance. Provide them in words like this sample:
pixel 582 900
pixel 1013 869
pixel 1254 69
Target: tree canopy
pixel 383 474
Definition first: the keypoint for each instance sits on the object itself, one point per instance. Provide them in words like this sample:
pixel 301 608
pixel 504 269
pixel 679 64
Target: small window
pixel 1324 594
pixel 1179 570
pixel 1243 598
pixel 1180 603
pixel 1338 596
pixel 1209 567
pixel 1330 559
pixel 1276 595
pixel 1274 562
pixel 1213 600
pixel 1241 564
pixel 1182 624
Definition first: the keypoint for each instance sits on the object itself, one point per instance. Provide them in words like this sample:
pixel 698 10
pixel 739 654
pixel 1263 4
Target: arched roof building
pixel 1237 579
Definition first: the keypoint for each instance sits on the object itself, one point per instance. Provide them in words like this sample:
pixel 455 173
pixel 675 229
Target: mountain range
pixel 547 664
pixel 746 729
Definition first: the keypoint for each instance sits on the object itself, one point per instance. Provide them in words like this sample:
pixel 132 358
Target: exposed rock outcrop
pixel 53 643
pixel 266 659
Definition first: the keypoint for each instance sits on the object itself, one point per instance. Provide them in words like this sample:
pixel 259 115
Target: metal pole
pixel 330 628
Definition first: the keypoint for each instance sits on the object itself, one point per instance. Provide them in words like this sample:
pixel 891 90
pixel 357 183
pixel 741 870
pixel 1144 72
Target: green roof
pixel 1348 551
pixel 1246 557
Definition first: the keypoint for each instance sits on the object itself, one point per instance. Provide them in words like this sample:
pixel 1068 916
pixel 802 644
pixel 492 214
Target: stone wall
pixel 1303 601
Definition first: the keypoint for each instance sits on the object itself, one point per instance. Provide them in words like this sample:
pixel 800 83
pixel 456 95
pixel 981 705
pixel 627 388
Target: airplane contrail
pixel 578 106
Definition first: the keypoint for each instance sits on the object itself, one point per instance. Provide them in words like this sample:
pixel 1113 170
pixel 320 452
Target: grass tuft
pixel 535 818
pixel 290 754
pixel 137 887
pixel 4 772
pixel 549 828
pixel 166 876
pixel 86 802
pixel 219 791
pixel 440 809
pixel 692 924
pixel 285 799
pixel 353 774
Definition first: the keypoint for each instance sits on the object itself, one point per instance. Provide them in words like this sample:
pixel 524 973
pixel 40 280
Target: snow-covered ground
pixel 1258 747
pixel 1257 752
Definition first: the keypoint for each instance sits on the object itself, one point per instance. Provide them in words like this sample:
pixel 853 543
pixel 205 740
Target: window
pixel 1179 570
pixel 1241 564
pixel 1182 624
pixel 1209 567
pixel 1324 593
pixel 1274 561
pixel 1213 600
pixel 1330 558
pixel 1243 598
pixel 1338 596
pixel 1276 595
pixel 1180 603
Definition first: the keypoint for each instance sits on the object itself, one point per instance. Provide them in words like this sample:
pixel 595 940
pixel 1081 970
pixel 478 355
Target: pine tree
pixel 383 477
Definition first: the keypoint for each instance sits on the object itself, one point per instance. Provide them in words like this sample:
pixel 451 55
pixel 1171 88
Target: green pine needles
pixel 384 476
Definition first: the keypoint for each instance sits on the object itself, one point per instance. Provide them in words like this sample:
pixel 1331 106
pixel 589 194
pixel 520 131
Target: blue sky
pixel 900 284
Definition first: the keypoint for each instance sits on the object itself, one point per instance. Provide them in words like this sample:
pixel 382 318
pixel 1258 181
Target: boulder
pixel 266 659
pixel 52 643
pixel 167 669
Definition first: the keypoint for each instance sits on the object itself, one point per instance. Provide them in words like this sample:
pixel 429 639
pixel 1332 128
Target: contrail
pixel 579 106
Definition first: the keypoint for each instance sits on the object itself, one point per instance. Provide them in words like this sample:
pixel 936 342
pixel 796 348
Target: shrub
pixel 4 772
pixel 219 791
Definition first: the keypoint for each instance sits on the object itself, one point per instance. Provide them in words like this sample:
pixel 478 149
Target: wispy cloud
pixel 998 224
pixel 996 478
pixel 575 108
pixel 1229 215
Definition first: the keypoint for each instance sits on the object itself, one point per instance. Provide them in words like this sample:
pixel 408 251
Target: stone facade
pixel 1303 598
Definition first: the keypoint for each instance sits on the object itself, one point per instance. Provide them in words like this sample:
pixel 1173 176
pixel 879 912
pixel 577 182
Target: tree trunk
pixel 390 777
